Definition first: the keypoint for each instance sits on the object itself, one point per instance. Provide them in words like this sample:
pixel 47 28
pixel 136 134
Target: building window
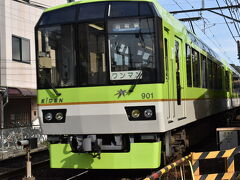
pixel 20 49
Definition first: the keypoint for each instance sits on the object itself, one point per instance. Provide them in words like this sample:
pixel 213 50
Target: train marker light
pixel 141 113
pixel 135 113
pixel 48 116
pixel 59 116
pixel 54 115
pixel 148 113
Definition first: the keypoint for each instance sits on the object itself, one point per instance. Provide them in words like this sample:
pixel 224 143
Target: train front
pixel 100 79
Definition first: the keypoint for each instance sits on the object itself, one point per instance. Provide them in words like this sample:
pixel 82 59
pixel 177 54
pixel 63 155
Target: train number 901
pixel 147 95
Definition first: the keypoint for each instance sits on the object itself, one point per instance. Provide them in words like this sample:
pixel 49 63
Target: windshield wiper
pixel 52 87
pixel 138 78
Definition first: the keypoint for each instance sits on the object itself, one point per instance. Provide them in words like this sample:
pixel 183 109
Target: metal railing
pixel 176 170
pixel 10 136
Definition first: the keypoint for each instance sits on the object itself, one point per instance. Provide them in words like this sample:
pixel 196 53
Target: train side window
pixel 227 81
pixel 204 72
pixel 196 68
pixel 188 65
pixel 219 76
pixel 210 75
pixel 235 82
pixel 166 57
pixel 214 73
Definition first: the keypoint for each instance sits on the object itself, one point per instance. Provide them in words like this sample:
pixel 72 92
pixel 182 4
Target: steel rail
pixel 13 172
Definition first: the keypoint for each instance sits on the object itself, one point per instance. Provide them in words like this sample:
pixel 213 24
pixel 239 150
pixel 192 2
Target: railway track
pixel 13 173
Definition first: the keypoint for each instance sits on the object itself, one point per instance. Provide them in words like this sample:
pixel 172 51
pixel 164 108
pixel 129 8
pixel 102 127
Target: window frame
pixel 158 43
pixel 189 60
pixel 227 80
pixel 204 74
pixel 196 77
pixel 21 39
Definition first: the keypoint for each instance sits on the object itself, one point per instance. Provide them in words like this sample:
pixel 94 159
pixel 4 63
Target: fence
pixel 212 165
pixel 9 137
pixel 216 165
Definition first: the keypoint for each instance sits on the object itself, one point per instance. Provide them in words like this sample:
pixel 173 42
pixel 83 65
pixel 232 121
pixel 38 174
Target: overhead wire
pixel 232 17
pixel 236 12
pixel 219 47
pixel 226 22
pixel 189 4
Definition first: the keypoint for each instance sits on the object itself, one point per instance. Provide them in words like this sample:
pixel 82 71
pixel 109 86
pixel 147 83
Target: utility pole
pixel 203 4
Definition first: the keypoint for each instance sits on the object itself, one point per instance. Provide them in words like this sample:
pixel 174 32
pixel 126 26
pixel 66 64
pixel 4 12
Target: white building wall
pixel 19 19
pixel 2 37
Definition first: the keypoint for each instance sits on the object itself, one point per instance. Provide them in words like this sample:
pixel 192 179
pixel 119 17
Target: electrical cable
pixel 227 23
pixel 236 13
pixel 216 44
pixel 189 4
pixel 232 17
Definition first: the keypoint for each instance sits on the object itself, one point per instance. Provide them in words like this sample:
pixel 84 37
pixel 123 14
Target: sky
pixel 216 33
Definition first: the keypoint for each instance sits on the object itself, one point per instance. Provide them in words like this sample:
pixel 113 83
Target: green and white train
pixel 119 80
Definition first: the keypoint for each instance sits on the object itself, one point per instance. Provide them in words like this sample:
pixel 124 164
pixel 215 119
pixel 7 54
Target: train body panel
pixel 148 157
pixel 112 118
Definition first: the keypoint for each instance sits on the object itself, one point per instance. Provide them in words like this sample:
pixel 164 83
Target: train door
pixel 179 79
pixel 169 107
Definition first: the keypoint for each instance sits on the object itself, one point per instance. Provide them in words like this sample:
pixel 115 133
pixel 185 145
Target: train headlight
pixel 148 113
pixel 54 115
pixel 135 113
pixel 141 113
pixel 59 116
pixel 48 117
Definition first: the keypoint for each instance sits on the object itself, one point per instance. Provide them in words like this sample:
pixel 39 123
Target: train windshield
pixel 132 49
pixel 102 44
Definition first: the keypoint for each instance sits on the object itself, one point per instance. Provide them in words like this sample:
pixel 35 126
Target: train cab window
pixel 189 65
pixel 129 9
pixel 144 9
pixel 132 50
pixel 122 9
pixel 91 50
pixel 204 71
pixel 56 57
pixel 196 68
pixel 67 15
pixel 92 11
